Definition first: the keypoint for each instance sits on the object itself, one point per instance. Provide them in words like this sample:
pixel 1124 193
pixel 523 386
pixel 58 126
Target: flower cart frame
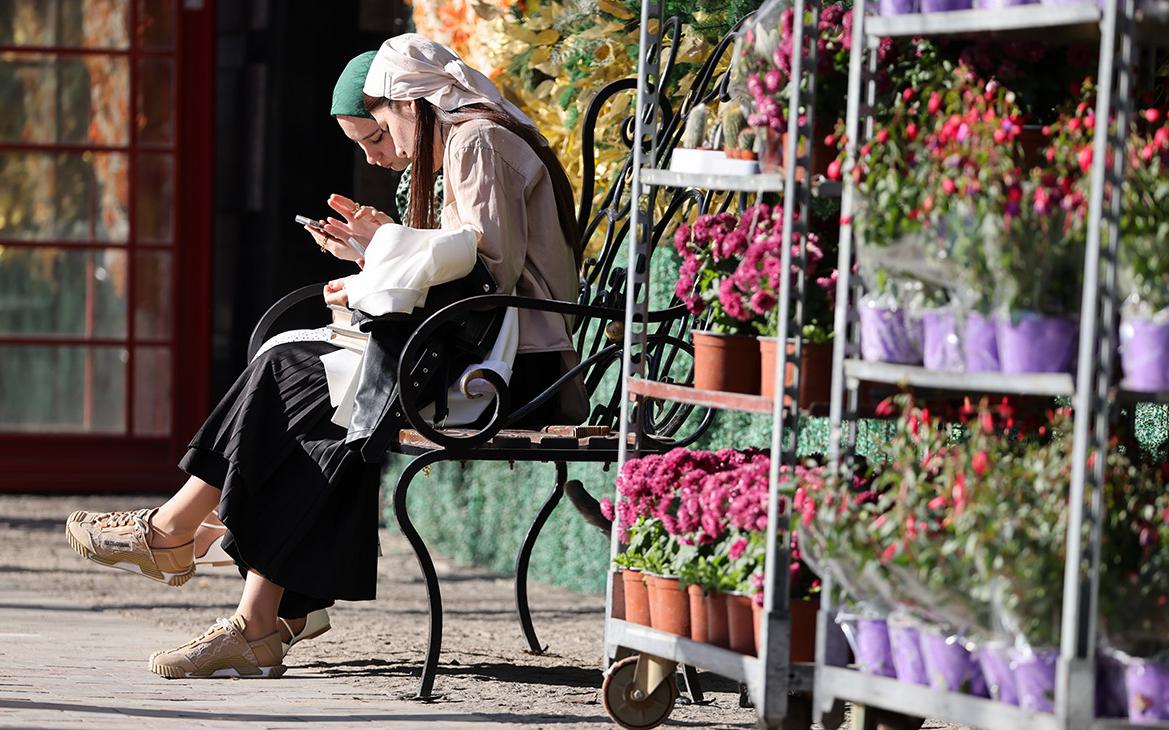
pixel 777 688
pixel 1120 29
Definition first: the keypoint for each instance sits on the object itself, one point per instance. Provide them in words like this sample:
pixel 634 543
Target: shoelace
pixel 220 623
pixel 120 519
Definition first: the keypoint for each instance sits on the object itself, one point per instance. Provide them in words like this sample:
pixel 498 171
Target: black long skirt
pixel 300 507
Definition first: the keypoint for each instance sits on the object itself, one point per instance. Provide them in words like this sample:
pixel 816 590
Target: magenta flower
pixel 738 547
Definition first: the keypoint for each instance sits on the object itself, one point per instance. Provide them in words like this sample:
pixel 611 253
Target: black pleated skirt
pixel 300 507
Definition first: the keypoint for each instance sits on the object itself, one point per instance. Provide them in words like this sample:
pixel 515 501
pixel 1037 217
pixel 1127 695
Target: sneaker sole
pixel 172 579
pixel 168 672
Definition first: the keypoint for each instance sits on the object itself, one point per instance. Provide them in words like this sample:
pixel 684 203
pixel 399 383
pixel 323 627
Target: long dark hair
pixel 422 212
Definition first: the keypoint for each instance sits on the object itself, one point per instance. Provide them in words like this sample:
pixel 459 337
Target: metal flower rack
pixel 1121 28
pixel 770 679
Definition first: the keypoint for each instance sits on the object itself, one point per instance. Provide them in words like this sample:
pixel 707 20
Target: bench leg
pixel 433 596
pixel 525 555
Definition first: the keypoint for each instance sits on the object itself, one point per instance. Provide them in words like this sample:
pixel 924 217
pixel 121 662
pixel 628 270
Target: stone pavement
pixel 64 667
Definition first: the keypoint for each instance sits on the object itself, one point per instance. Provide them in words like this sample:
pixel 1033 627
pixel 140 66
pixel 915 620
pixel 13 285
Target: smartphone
pixel 304 220
pixel 313 223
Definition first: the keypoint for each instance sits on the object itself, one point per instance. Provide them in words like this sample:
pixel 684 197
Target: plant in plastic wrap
pixel 761 77
pixel 1134 591
pixel 1023 507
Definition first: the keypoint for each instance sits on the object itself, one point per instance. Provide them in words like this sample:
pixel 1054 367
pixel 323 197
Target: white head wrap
pixel 410 66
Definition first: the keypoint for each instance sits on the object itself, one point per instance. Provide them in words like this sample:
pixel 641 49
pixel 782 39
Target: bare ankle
pixel 164 534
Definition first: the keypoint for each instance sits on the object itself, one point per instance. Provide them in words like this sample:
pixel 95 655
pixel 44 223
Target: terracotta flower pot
pixel 815 367
pixel 740 624
pixel 726 362
pixel 802 644
pixel 669 607
pixel 775 148
pixel 716 619
pixel 698 625
pixel 636 597
pixel 619 595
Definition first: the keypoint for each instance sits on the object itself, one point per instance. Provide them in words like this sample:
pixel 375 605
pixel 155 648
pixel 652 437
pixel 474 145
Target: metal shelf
pixel 850 685
pixel 1042 384
pixel 708 398
pixel 771 182
pixel 1076 21
pixel 1079 22
pixel 724 662
pixel 1124 395
pixel 1116 723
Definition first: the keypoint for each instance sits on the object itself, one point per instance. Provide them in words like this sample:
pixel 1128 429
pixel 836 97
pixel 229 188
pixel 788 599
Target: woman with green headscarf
pixel 295 479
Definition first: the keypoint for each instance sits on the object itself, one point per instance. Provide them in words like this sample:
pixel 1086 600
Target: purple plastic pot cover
pixel 1111 698
pixel 980 344
pixel 873 653
pixel 1000 4
pixel 1037 344
pixel 907 659
pixel 995 662
pixel 896 7
pixel 940 347
pixel 1144 353
pixel 949 666
pixel 889 335
pixel 945 6
pixel 1035 679
pixel 1148 691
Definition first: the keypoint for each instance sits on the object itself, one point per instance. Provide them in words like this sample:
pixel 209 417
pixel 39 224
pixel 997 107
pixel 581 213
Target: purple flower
pixel 772 81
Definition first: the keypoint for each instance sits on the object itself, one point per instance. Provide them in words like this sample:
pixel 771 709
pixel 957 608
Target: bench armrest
pixel 501 418
pixel 278 310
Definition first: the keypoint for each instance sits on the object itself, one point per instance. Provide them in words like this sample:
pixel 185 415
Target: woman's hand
pixel 361 221
pixel 335 293
pixel 343 251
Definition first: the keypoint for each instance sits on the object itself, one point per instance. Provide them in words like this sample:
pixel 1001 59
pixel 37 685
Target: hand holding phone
pixel 318 227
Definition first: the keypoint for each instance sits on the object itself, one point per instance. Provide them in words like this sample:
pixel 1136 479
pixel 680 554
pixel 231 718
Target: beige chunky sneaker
pixel 119 540
pixel 222 651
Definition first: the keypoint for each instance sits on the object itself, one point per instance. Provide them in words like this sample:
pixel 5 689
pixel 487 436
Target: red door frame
pixel 51 463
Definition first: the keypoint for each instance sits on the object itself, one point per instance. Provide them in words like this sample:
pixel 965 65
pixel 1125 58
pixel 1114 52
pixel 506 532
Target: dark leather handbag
pixel 377 411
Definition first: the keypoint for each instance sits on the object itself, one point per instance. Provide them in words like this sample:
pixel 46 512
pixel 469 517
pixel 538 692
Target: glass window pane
pixel 152 391
pixel 70 99
pixel 66 23
pixel 54 291
pixel 64 196
pixel 153 311
pixel 156 24
pixel 155 198
pixel 66 389
pixel 156 103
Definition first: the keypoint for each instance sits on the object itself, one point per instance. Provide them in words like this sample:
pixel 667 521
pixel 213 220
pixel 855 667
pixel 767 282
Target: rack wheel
pixel 629 712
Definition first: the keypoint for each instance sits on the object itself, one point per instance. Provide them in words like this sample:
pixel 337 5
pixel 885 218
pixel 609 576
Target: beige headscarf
pixel 410 66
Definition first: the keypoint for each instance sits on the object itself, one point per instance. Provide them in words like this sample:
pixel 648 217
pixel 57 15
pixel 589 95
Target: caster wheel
pixel 631 713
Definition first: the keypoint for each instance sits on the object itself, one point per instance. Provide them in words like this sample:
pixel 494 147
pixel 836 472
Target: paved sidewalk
pixel 65 667
pixel 75 638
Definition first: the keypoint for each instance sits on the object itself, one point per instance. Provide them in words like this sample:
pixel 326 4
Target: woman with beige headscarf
pixel 297 497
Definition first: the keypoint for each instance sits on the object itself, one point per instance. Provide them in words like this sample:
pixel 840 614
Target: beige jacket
pixel 495 183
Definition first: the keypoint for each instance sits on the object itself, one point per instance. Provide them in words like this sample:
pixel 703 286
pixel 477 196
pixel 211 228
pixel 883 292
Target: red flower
pixel 883 136
pixel 948 186
pixel 1084 158
pixel 889 553
pixel 834 170
pixel 885 408
pixel 980 462
pixel 938 502
pixel 987 422
pixel 1152 116
pixel 935 103
pixel 911 131
pixel 909 92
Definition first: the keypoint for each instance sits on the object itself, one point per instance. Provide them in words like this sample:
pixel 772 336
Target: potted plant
pixel 1144 329
pixel 726 353
pixel 694 152
pixel 1135 590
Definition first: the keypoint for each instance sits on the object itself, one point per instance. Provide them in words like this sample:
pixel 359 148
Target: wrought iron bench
pixel 599 340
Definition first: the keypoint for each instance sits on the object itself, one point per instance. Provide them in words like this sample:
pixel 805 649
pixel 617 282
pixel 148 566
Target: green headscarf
pixel 347 91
